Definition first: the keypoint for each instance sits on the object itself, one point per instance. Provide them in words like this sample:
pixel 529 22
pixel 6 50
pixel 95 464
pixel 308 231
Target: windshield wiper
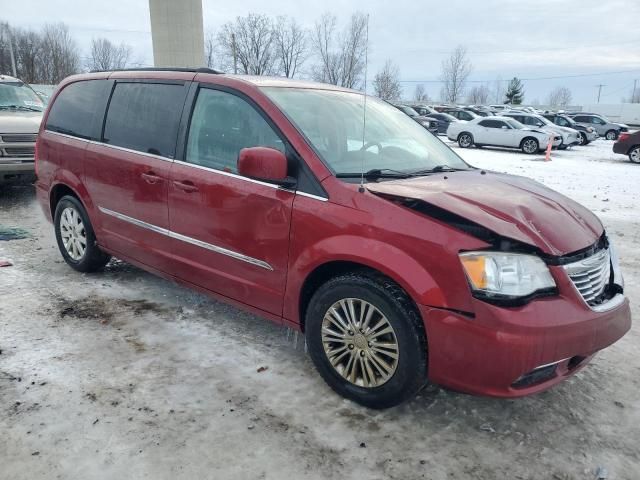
pixel 18 107
pixel 376 173
pixel 438 168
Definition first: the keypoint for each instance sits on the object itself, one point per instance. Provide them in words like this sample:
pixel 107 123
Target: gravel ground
pixel 125 375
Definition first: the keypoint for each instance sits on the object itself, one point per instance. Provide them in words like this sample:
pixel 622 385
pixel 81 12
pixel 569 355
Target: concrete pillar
pixel 177 33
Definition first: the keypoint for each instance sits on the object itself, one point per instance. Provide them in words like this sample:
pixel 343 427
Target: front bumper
pixel 12 168
pixel 491 353
pixel 591 136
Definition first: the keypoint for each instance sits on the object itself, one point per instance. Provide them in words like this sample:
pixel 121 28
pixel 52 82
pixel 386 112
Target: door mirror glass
pixel 504 127
pixel 264 163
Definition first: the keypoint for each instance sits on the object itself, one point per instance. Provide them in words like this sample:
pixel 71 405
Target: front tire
pixel 583 139
pixel 75 237
pixel 611 135
pixel 634 155
pixel 367 340
pixel 465 140
pixel 530 146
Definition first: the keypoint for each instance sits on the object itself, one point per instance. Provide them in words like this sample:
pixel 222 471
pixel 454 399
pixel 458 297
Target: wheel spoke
pixel 333 313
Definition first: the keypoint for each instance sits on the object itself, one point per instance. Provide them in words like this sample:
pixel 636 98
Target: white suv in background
pixel 569 136
pixel 20 115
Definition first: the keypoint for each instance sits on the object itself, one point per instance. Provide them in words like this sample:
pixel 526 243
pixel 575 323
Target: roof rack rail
pixel 161 69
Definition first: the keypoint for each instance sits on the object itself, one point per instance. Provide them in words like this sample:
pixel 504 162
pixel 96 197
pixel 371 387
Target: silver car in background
pixel 602 125
pixel 20 115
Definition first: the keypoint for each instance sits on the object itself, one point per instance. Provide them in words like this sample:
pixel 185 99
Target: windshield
pixel 515 124
pixel 332 122
pixel 408 110
pixel 20 96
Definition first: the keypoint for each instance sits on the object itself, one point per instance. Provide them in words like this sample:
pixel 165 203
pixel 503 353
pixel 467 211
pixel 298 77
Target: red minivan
pixel 400 262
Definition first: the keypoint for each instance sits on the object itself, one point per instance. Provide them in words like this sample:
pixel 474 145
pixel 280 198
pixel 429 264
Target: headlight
pixel 590 129
pixel 618 279
pixel 506 275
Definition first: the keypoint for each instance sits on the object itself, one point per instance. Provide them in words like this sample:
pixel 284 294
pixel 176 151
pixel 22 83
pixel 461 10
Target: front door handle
pixel 151 178
pixel 186 186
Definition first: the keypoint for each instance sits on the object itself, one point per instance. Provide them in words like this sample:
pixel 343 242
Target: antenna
pixel 364 108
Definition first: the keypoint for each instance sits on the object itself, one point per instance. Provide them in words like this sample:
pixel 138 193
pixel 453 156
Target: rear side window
pixel 491 123
pixel 582 119
pixel 145 117
pixel 223 124
pixel 78 109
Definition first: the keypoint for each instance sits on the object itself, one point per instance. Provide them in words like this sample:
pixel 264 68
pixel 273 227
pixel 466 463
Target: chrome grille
pixel 18 137
pixel 591 276
pixel 19 151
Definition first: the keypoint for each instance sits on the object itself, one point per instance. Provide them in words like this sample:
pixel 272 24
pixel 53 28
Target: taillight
pixel 623 136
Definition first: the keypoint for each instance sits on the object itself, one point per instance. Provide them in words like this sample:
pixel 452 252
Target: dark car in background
pixel 629 144
pixel 444 120
pixel 429 123
pixel 460 114
pixel 422 109
pixel 480 111
pixel 587 134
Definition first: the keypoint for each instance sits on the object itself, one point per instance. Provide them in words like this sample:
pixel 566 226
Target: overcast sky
pixel 592 41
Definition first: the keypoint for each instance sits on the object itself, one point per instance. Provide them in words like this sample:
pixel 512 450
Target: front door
pixel 127 174
pixel 230 234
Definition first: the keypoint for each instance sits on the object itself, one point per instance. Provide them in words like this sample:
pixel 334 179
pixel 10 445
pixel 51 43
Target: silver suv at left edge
pixel 20 115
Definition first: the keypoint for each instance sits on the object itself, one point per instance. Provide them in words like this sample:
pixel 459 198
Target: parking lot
pixel 125 375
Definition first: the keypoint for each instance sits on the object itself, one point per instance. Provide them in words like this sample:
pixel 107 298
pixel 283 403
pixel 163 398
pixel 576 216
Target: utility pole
pixel 633 95
pixel 599 90
pixel 5 28
pixel 235 53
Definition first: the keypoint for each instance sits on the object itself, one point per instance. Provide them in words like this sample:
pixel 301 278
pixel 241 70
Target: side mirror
pixel 266 164
pixel 504 127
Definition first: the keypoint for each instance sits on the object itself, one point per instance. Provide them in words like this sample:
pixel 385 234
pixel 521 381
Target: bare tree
pixel 455 71
pixel 559 97
pixel 420 94
pixel 342 56
pixel 105 55
pixel 478 95
pixel 290 44
pixel 498 91
pixel 250 39
pixel 209 49
pixel 28 50
pixel 60 56
pixel 386 84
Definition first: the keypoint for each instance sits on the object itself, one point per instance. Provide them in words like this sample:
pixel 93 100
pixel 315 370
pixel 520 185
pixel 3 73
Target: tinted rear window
pixel 145 117
pixel 79 109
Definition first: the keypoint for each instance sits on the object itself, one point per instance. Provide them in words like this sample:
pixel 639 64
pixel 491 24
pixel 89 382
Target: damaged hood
pixel 510 206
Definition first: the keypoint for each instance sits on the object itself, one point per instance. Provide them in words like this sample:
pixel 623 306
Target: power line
pixel 579 75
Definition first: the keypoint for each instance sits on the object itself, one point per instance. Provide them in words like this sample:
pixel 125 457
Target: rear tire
pixel 348 300
pixel 634 154
pixel 465 140
pixel 75 237
pixel 530 146
pixel 611 135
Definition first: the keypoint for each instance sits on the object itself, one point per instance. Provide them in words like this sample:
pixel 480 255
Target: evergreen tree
pixel 515 92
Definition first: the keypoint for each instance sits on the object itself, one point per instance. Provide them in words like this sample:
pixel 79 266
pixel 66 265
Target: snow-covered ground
pixel 125 375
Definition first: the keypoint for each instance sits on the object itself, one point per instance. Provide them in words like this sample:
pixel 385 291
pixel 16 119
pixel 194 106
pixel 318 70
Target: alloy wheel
pixel 360 342
pixel 583 139
pixel 634 155
pixel 611 135
pixel 530 146
pixel 73 233
pixel 465 140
